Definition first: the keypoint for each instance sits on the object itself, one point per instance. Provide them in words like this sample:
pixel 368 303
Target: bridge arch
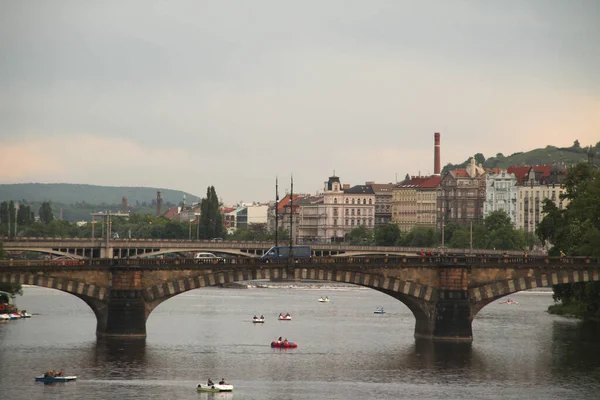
pixel 483 295
pixel 94 296
pixel 414 296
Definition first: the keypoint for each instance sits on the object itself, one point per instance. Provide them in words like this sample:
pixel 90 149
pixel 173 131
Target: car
pixel 208 258
pixel 217 239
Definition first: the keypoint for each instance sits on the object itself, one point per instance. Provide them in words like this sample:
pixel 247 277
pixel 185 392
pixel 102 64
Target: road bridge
pixel 443 293
pixel 82 248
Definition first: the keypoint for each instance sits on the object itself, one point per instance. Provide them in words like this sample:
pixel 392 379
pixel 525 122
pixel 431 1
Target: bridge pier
pixel 449 317
pixel 125 314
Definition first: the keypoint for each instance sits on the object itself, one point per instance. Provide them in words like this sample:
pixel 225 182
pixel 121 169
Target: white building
pixel 255 213
pixel 501 194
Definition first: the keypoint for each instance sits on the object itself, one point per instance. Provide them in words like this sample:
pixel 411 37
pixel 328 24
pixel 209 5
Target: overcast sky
pixel 183 95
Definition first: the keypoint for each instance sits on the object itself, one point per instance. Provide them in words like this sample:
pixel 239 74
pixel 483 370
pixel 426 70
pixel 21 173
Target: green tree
pixel 387 235
pixel 479 158
pixel 45 212
pixel 211 221
pixel 360 236
pixel 420 237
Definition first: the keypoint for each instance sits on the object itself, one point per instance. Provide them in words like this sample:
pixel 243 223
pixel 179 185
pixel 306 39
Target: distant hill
pixel 67 193
pixel 548 155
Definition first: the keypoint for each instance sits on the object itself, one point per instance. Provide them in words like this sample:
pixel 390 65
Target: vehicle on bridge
pixel 284 252
pixel 208 258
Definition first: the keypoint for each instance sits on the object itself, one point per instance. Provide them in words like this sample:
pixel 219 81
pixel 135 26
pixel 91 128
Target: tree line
pixel 575 231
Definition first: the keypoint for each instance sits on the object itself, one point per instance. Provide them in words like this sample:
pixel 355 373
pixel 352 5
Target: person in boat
pixel 210 382
pixel 280 314
pixel 61 373
pixel 287 315
pixel 255 317
pixel 222 381
pixel 279 340
pixel 285 340
pixel 262 316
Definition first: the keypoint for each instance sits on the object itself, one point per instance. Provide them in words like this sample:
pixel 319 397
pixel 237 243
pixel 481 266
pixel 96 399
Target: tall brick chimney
pixel 436 154
pixel 158 202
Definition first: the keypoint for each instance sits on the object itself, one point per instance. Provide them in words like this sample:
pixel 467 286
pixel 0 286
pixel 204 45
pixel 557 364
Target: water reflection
pixel 128 357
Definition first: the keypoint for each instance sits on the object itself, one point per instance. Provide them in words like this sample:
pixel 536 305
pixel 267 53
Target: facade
pixel 461 195
pixel 329 216
pixel 383 202
pixel 404 203
pixel 427 202
pixel 251 214
pixel 414 202
pixel 501 194
pixel 535 184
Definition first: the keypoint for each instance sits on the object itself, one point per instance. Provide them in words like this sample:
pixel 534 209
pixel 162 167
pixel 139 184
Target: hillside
pixel 548 155
pixel 66 193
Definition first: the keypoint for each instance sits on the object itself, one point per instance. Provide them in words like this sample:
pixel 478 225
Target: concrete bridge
pixel 444 294
pixel 82 248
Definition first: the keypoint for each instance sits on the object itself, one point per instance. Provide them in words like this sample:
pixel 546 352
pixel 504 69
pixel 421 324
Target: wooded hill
pixel 548 155
pixel 68 193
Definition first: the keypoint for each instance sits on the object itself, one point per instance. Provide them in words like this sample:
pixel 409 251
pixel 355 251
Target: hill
pixel 67 193
pixel 548 155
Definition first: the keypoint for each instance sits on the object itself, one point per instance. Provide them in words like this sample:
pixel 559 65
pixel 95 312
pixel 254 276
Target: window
pixel 346 201
pixel 352 201
pixel 370 201
pixel 335 200
pixel 347 211
pixel 335 222
pixel 358 212
pixel 364 201
pixel 353 211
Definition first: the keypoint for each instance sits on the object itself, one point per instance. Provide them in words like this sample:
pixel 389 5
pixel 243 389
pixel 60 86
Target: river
pixel 345 350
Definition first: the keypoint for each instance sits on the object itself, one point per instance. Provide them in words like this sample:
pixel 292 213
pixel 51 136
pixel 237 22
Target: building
pixel 254 213
pixel 501 194
pixel 534 185
pixel 427 202
pixel 383 202
pixel 461 195
pixel 404 202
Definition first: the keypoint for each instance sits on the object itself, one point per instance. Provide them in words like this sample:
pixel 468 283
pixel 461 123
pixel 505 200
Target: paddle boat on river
pixel 286 317
pixel 283 344
pixel 53 377
pixel 379 310
pixel 257 320
pixel 324 299
pixel 509 301
pixel 211 387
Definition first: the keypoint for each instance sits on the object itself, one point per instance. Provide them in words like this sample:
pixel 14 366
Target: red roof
pixel 460 173
pixel 286 200
pixel 432 182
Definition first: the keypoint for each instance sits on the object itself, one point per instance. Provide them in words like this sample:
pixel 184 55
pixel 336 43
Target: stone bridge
pixel 82 248
pixel 443 293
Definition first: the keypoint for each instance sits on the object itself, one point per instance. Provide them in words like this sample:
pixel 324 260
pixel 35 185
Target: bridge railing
pixel 396 261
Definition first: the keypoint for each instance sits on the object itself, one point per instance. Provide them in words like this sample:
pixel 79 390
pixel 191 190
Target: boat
pixel 283 344
pixel 25 314
pixel 52 379
pixel 323 299
pixel 286 317
pixel 509 301
pixel 379 311
pixel 203 387
pixel 4 317
pixel 257 320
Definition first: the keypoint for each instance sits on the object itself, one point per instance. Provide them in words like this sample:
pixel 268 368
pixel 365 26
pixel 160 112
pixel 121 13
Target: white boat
pixel 52 379
pixel 14 315
pixel 4 317
pixel 286 317
pixel 25 314
pixel 257 320
pixel 323 299
pixel 203 387
pixel 509 301
pixel 379 311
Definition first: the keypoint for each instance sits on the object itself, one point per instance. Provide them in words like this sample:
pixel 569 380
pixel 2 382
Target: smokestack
pixel 124 206
pixel 158 201
pixel 436 155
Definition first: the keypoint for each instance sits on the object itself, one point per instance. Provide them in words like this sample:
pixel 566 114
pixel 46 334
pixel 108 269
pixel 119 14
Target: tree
pixel 576 144
pixel 360 235
pixel 211 221
pixel 575 229
pixel 479 158
pixel 45 212
pixel 387 235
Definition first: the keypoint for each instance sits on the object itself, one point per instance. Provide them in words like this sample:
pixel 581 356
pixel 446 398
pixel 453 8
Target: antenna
pixel 276 211
pixel 291 214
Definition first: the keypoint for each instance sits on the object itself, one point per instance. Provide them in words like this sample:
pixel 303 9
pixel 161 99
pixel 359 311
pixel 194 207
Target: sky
pixel 187 94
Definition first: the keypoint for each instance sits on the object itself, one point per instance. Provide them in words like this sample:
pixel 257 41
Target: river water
pixel 345 351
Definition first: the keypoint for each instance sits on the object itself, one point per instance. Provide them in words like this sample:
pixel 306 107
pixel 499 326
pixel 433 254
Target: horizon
pixel 188 95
